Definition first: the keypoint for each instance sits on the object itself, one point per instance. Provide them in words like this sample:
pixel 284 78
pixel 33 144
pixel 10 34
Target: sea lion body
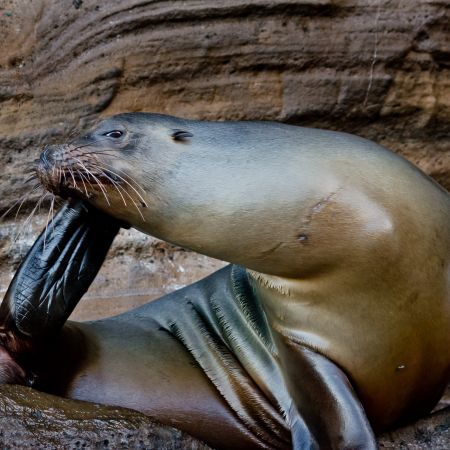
pixel 179 367
pixel 344 249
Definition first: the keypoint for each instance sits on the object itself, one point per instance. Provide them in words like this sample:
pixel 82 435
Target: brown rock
pixel 432 432
pixel 379 68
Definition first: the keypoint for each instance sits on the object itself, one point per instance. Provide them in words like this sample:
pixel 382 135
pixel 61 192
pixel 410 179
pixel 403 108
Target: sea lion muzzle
pixel 69 169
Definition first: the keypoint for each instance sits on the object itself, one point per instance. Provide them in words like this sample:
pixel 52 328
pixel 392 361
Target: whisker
pixel 127 193
pixel 21 200
pixel 52 209
pixel 123 179
pixel 55 170
pixel 73 178
pixel 31 178
pixel 102 152
pixel 28 219
pixel 74 131
pixel 100 184
pixel 46 225
pixel 31 169
pixel 50 217
pixel 109 167
pixel 80 173
pixel 62 172
pixel 86 177
pixel 109 178
pixel 116 185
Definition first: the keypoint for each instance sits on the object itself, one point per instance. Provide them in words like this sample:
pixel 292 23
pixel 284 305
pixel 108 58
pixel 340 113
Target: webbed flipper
pixel 326 402
pixel 58 270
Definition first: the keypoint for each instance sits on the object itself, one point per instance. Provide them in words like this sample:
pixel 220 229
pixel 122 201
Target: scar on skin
pixel 317 208
pixel 304 237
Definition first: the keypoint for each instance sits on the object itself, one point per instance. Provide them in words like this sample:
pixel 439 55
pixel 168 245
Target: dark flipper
pixel 326 401
pixel 57 271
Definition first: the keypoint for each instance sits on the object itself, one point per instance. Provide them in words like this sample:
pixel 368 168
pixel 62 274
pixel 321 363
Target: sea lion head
pixel 114 166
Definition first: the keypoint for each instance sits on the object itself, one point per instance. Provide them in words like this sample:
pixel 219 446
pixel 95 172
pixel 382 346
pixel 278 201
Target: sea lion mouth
pixel 70 181
pixel 93 177
pixel 66 175
pixel 69 171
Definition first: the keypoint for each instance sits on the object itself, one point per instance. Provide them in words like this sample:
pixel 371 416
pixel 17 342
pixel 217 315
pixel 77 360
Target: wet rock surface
pixel 431 433
pixel 34 420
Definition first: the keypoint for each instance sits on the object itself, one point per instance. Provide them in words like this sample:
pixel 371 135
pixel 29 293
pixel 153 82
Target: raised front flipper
pixel 57 271
pixel 324 399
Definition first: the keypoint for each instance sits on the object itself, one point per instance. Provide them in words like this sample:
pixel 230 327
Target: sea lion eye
pixel 115 134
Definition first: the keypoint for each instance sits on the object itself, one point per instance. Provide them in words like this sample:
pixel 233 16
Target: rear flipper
pixel 326 402
pixel 55 274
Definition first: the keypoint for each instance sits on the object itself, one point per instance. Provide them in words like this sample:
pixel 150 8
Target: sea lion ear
pixel 180 135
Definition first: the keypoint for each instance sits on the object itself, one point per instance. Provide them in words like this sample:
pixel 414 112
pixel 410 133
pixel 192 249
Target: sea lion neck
pixel 222 211
pixel 223 200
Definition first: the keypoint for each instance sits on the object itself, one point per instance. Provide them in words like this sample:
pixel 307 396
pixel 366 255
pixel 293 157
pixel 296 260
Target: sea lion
pixel 333 318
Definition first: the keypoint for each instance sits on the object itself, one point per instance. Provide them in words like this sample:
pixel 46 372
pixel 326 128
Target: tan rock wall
pixel 378 68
